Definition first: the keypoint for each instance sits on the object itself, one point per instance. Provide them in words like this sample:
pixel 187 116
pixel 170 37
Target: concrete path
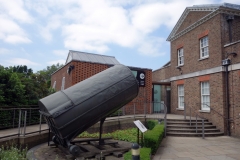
pixel 191 148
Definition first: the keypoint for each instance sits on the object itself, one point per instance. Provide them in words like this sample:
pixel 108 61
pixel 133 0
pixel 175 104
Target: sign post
pixel 140 127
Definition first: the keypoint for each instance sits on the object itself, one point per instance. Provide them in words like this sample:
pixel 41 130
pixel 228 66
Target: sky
pixel 40 33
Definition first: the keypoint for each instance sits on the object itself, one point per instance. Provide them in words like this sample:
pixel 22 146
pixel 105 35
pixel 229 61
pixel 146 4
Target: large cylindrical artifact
pixel 70 112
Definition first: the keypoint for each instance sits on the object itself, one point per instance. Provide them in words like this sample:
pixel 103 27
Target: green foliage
pixel 20 86
pixel 129 135
pixel 12 153
pixel 151 124
pixel 46 73
pixel 14 93
pixel 145 154
pixel 116 113
pixel 152 138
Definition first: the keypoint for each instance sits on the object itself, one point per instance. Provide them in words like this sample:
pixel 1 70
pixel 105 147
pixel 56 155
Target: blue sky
pixel 39 33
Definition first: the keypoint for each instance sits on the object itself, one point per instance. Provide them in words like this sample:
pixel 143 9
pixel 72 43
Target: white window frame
pixel 63 83
pixel 180 57
pixel 204 52
pixel 181 96
pixel 54 85
pixel 205 95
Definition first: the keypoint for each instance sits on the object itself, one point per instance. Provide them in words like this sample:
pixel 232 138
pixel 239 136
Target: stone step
pixel 187 123
pixel 192 130
pixel 190 127
pixel 184 134
pixel 186 120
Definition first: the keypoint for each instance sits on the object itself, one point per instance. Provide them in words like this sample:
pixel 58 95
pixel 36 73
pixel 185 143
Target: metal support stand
pixel 101 141
pixel 203 128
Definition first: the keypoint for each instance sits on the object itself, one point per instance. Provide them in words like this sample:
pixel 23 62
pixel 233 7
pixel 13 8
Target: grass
pixel 129 135
pixel 144 154
pixel 12 153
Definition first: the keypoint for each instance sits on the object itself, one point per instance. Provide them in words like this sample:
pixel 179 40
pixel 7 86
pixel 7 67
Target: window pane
pixel 205 94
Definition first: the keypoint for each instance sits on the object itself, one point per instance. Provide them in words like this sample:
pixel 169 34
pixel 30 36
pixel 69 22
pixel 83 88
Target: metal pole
pixel 203 128
pixel 190 116
pixel 184 111
pixel 165 121
pixel 40 124
pixel 134 111
pixel 196 123
pixel 135 152
pixel 13 116
pixel 19 122
pixel 25 119
pixel 30 116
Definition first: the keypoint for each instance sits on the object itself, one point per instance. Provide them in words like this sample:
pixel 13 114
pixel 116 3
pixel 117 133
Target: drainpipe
pixel 226 63
pixel 227 101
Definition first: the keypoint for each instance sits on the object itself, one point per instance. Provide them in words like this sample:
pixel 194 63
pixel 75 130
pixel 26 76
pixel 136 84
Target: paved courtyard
pixel 191 148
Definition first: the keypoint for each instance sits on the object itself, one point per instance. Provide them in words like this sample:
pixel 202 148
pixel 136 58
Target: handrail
pixel 213 110
pixel 197 115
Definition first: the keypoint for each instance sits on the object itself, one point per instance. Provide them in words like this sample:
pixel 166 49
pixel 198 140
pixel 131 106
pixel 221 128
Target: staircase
pixel 182 128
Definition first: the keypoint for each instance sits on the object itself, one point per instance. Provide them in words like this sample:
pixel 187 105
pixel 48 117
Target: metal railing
pixel 19 119
pixel 199 115
pixel 196 121
pixel 22 118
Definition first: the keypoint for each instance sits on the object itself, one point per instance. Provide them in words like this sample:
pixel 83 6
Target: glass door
pixel 156 98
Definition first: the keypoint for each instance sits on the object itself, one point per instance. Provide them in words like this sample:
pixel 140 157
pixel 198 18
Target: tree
pixel 14 91
pixel 46 73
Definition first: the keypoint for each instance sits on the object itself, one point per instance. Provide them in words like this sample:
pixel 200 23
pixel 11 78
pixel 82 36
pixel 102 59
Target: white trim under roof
pixel 210 7
pixel 218 69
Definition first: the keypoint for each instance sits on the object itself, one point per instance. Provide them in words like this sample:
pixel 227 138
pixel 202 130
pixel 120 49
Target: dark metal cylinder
pixel 75 109
pixel 135 151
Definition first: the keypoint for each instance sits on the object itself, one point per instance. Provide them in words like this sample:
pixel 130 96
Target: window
pixel 180 57
pixel 205 96
pixel 204 47
pixel 63 83
pixel 54 85
pixel 180 96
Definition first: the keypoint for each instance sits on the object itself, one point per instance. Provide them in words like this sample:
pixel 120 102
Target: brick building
pixel 204 67
pixel 80 66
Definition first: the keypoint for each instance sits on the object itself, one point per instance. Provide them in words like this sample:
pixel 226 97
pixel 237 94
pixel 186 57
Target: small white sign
pixel 140 126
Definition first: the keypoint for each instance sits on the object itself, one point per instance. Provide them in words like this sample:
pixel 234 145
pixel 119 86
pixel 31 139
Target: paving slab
pixel 196 148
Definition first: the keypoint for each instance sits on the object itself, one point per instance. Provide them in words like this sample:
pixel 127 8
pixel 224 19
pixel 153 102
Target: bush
pixel 12 153
pixel 151 124
pixel 152 138
pixel 145 154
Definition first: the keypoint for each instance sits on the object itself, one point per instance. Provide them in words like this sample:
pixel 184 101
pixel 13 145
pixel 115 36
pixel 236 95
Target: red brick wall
pixel 161 74
pixel 83 70
pixel 218 33
pixel 192 48
pixel 57 76
pixel 192 97
pixel 143 101
pixel 191 18
pixel 234 89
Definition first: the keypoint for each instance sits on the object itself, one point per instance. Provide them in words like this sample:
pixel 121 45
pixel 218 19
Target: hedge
pixel 151 124
pixel 145 154
pixel 153 138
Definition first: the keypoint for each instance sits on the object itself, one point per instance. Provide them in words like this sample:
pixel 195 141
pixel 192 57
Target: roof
pixel 213 8
pixel 164 66
pixel 91 58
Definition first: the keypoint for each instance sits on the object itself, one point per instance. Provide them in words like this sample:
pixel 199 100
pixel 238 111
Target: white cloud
pixel 61 53
pixel 12 15
pixel 10 32
pixel 16 39
pixel 4 51
pixel 60 61
pixel 15 9
pixel 21 61
pixel 152 47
